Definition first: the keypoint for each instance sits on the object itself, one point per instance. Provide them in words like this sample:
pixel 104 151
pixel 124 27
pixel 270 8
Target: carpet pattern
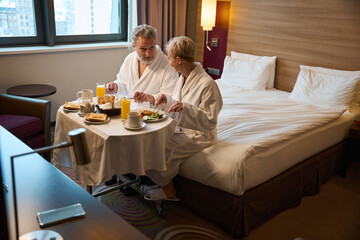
pixel 143 215
pixel 132 210
pixel 178 232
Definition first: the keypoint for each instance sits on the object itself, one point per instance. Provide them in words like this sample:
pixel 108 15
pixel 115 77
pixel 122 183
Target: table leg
pixel 89 189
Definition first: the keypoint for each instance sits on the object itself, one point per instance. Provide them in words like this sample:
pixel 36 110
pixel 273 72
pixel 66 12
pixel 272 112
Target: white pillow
pixel 255 58
pixel 245 74
pixel 325 87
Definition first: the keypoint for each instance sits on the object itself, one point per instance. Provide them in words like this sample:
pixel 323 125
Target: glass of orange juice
pixel 100 89
pixel 125 107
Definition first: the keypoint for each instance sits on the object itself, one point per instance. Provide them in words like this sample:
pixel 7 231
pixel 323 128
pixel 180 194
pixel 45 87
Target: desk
pixel 32 90
pixel 112 147
pixel 40 187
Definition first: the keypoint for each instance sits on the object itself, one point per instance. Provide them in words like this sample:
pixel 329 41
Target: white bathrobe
pixel 196 129
pixel 158 77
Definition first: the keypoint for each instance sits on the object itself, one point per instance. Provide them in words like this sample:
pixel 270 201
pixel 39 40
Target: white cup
pixel 134 119
pixel 85 94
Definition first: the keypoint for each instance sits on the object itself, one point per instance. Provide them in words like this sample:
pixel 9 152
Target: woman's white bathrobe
pixel 158 77
pixel 196 129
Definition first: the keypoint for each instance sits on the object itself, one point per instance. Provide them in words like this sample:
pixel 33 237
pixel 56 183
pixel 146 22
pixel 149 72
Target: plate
pixel 96 123
pixel 131 128
pixel 70 110
pixel 156 120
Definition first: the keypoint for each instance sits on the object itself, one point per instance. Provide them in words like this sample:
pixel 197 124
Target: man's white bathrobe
pixel 196 129
pixel 158 77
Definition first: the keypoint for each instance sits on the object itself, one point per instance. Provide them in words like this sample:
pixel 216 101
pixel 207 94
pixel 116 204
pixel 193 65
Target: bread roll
pixel 106 99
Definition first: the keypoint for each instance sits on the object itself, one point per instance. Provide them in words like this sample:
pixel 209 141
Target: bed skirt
pixel 238 215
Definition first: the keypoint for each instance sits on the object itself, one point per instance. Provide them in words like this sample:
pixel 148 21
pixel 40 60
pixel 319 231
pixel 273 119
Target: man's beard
pixel 142 60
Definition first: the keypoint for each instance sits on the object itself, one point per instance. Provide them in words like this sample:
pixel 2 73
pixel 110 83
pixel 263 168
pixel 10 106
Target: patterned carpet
pixel 177 223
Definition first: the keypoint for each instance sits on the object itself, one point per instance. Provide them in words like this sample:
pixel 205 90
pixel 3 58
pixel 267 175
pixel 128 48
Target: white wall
pixel 68 71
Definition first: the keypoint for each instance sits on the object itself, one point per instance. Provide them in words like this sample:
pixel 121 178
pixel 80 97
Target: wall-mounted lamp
pixel 82 157
pixel 208 16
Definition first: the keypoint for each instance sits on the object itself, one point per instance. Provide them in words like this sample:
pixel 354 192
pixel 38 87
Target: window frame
pixel 38 39
pixel 46 33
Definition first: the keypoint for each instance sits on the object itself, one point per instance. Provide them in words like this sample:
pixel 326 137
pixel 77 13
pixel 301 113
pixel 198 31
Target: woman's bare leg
pixel 169 190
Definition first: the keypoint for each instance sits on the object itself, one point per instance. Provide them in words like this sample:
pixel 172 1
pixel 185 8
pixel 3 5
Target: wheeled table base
pixel 123 182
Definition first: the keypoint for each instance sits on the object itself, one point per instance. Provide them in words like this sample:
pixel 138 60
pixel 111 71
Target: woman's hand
pixel 111 88
pixel 141 97
pixel 176 107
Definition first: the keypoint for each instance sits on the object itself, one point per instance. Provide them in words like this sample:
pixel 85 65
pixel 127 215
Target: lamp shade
pixel 208 14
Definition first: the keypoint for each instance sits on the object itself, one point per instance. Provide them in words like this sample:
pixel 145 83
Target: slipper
pixel 114 179
pixel 158 195
pixel 146 188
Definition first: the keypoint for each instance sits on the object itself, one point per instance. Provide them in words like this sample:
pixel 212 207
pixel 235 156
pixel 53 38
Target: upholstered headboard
pixel 323 33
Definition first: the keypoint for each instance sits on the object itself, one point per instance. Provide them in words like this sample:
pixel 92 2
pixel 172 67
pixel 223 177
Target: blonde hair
pixel 182 47
pixel 144 31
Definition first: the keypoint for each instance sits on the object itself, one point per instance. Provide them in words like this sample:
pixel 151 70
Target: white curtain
pixel 132 17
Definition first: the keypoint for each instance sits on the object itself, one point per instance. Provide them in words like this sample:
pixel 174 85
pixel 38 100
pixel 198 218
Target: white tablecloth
pixel 112 147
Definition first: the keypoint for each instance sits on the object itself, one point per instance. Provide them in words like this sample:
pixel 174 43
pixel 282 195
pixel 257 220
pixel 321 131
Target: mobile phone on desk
pixel 59 215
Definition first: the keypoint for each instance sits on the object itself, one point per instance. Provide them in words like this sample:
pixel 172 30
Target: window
pixel 51 22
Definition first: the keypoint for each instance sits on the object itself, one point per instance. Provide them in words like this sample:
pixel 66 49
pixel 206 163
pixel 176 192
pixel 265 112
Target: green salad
pixel 153 116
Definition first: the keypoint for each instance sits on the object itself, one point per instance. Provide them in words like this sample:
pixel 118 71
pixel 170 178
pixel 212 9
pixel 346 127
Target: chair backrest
pixel 25 106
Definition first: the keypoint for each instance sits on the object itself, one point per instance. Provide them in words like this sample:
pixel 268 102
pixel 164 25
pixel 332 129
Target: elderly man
pixel 144 70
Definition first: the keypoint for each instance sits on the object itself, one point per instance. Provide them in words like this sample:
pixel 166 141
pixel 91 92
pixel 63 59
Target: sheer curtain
pixel 132 18
pixel 167 16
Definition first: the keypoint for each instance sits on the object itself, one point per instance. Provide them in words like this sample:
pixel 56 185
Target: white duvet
pixel 259 120
pixel 253 122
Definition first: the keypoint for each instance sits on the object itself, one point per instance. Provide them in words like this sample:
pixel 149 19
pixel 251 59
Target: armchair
pixel 27 118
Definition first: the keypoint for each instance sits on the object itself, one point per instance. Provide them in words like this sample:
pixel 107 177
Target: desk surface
pixel 41 186
pixel 32 90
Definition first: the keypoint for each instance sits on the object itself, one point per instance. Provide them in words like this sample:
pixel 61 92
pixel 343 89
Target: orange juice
pixel 100 89
pixel 125 107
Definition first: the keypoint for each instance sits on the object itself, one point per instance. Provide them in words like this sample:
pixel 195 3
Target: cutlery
pixel 154 108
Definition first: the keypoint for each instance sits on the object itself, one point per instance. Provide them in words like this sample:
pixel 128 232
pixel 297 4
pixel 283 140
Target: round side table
pixel 32 90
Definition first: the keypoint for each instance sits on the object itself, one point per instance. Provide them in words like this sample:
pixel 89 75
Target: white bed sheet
pixel 247 155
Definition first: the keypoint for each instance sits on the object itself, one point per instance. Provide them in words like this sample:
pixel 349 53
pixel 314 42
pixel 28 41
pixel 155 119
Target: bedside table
pixel 352 148
pixel 32 90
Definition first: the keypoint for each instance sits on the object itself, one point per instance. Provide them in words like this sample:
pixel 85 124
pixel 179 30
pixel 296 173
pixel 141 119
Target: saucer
pixel 143 124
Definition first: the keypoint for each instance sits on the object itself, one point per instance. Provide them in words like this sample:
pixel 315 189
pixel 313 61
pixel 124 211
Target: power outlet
pixel 213 71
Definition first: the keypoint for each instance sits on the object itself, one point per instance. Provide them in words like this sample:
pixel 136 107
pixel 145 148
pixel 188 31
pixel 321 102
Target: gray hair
pixel 144 31
pixel 182 47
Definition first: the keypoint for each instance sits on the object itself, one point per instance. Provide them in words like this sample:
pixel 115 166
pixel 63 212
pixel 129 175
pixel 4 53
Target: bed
pixel 274 147
pixel 287 35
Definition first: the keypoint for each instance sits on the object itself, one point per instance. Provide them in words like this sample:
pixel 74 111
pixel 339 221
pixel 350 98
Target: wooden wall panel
pixel 200 36
pixel 322 33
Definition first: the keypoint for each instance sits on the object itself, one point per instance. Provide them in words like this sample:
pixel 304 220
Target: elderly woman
pixel 195 105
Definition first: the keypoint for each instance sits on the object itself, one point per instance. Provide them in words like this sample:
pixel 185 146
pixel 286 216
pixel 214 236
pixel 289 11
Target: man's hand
pixel 176 107
pixel 141 97
pixel 111 88
pixel 160 99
